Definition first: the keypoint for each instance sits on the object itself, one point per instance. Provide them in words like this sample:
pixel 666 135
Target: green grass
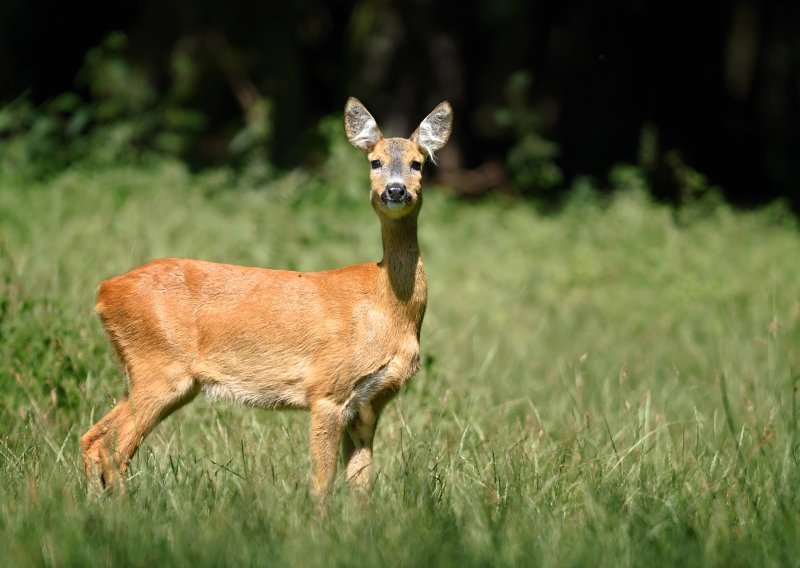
pixel 611 384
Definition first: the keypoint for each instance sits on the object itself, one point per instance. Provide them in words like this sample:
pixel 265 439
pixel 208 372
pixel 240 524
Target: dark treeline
pixel 544 91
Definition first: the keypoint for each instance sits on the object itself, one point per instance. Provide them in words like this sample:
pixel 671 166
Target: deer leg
pixel 96 443
pixel 357 448
pixel 110 444
pixel 326 429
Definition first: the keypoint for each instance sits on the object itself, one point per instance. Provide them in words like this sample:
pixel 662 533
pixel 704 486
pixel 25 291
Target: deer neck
pixel 403 275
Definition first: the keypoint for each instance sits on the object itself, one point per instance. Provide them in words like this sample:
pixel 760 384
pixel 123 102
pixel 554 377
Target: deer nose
pixel 396 192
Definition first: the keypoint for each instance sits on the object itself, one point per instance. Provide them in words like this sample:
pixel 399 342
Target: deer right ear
pixel 434 132
pixel 361 128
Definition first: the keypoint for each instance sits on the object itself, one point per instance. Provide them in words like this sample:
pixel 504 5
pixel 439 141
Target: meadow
pixel 609 383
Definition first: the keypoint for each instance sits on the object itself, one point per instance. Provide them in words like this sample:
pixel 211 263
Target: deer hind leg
pixel 326 430
pixel 110 444
pixel 96 444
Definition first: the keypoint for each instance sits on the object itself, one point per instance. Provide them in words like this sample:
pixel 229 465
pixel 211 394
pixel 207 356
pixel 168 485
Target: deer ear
pixel 361 128
pixel 433 132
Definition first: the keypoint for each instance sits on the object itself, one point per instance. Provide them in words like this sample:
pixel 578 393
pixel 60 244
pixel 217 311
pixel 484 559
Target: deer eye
pixel 415 165
pixel 375 164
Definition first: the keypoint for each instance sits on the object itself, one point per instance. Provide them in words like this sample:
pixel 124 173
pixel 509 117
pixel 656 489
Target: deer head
pixel 396 177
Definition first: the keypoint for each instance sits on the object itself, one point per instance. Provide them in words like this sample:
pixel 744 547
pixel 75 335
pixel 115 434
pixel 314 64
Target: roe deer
pixel 338 342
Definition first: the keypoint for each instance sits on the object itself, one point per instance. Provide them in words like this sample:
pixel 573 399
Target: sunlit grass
pixel 610 384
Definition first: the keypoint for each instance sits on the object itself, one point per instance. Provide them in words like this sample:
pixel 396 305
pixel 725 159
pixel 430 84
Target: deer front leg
pixel 357 448
pixel 326 429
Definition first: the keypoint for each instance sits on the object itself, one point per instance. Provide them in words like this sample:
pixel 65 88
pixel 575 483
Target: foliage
pixel 606 382
pixel 124 120
pixel 727 100
pixel 531 159
pixel 127 112
pixel 628 178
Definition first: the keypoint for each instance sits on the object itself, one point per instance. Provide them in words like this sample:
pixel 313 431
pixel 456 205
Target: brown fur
pixel 339 342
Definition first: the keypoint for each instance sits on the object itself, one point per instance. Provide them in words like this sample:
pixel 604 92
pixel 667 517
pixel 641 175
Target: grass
pixel 611 384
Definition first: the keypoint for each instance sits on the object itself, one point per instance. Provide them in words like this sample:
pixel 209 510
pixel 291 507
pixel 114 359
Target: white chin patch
pixel 395 204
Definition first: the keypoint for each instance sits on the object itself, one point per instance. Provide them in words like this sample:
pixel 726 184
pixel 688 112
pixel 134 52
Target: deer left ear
pixel 360 127
pixel 433 132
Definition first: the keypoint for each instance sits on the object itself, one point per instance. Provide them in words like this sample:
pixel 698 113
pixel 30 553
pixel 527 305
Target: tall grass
pixel 611 384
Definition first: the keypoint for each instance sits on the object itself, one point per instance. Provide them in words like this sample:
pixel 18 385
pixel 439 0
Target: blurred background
pixel 549 95
pixel 611 345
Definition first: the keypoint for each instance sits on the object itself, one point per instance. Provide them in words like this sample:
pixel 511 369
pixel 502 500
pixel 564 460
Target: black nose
pixel 396 192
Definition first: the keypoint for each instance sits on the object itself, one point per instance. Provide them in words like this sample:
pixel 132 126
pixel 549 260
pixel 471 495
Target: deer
pixel 339 343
